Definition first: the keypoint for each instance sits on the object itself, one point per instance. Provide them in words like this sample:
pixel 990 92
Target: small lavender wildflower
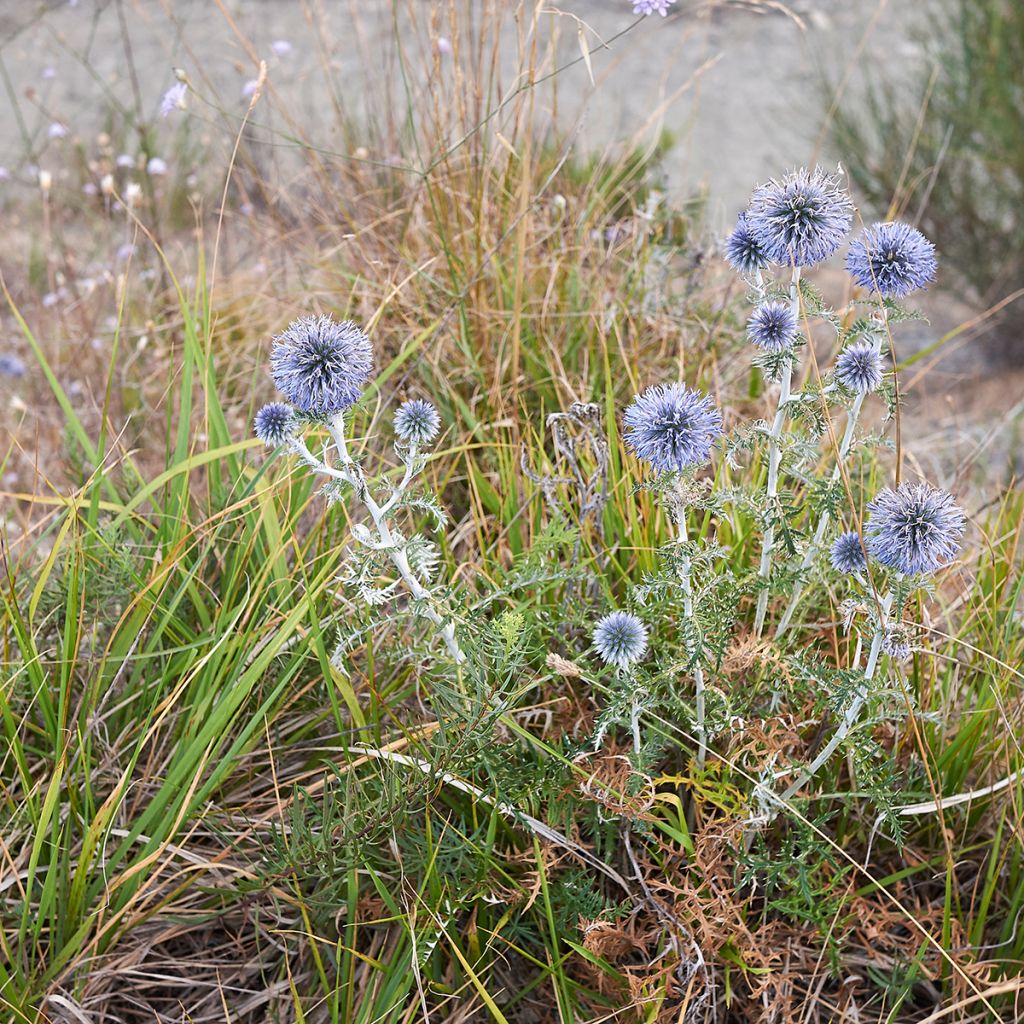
pixel 174 99
pixel 11 365
pixel 56 131
pixel 156 167
pixel 800 220
pixel 773 326
pixel 274 424
pixel 892 259
pixel 648 7
pixel 859 368
pixel 281 47
pixel 321 366
pixel 417 422
pixel 914 529
pixel 742 250
pixel 620 639
pixel 847 554
pixel 672 427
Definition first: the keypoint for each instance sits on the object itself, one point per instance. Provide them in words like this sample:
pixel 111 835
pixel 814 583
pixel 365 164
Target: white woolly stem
pixel 823 522
pixel 774 460
pixel 387 541
pixel 634 723
pixel 698 671
pixel 852 712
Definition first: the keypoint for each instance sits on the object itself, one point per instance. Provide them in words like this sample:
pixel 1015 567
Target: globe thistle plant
pixel 321 366
pixel 892 259
pixel 275 424
pixel 847 553
pixel 417 422
pixel 620 639
pixel 859 368
pixel 801 219
pixel 773 326
pixel 915 528
pixel 743 251
pixel 672 427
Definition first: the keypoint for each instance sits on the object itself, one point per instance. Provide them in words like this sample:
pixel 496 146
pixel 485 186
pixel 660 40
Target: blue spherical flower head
pixel 275 424
pixel 847 553
pixel 915 528
pixel 742 249
pixel 672 427
pixel 321 366
pixel 892 259
pixel 800 220
pixel 773 326
pixel 620 639
pixel 649 7
pixel 859 368
pixel 417 422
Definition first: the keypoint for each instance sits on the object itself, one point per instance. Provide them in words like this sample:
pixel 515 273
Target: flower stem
pixel 823 522
pixel 388 541
pixel 698 671
pixel 774 461
pixel 852 712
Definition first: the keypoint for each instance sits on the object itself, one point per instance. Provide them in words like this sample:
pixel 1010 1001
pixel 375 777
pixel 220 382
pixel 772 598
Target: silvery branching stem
pixel 387 540
pixel 774 460
pixel 823 522
pixel 698 671
pixel 852 712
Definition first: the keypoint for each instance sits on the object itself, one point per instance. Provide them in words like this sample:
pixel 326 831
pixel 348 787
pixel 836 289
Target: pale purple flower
pixel 156 167
pixel 57 131
pixel 125 160
pixel 742 249
pixel 5 174
pixel 11 365
pixel 321 366
pixel 773 326
pixel 892 259
pixel 915 528
pixel 249 89
pixel 847 553
pixel 671 427
pixel 174 99
pixel 620 639
pixel 417 422
pixel 275 424
pixel 48 73
pixel 802 219
pixel 859 368
pixel 281 47
pixel 648 7
pixel 444 45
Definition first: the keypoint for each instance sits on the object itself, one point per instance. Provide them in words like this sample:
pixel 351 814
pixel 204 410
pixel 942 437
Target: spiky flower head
pixel 859 368
pixel 174 99
pixel 321 366
pixel 802 219
pixel 417 422
pixel 652 6
pixel 773 326
pixel 847 553
pixel 275 424
pixel 672 426
pixel 742 249
pixel 897 642
pixel 892 259
pixel 620 639
pixel 915 528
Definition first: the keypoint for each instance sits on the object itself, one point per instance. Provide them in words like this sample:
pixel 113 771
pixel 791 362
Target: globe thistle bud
pixel 859 368
pixel 742 249
pixel 321 366
pixel 620 639
pixel 802 219
pixel 897 642
pixel 773 326
pixel 915 528
pixel 671 427
pixel 275 424
pixel 847 553
pixel 892 259
pixel 417 422
pixel 649 7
